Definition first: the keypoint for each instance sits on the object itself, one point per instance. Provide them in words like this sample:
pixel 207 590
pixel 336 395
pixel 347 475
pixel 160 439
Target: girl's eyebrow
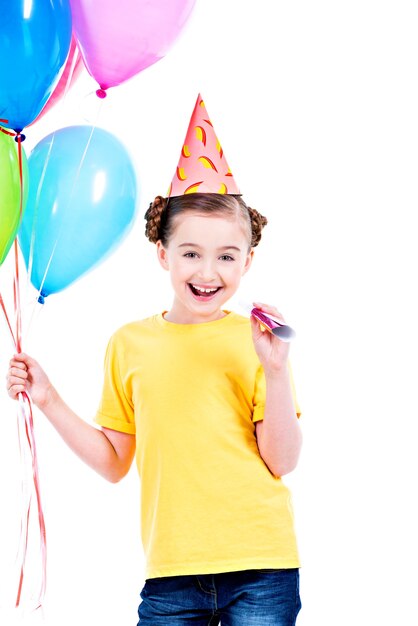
pixel 196 245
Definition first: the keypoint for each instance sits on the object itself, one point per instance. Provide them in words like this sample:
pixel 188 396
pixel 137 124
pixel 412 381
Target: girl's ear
pixel 248 261
pixel 162 255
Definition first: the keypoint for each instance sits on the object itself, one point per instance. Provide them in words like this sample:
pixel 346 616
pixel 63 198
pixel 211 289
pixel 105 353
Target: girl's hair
pixel 160 216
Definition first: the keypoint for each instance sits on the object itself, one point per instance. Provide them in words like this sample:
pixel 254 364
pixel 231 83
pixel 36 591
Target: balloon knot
pixel 41 299
pixel 20 136
pixel 101 93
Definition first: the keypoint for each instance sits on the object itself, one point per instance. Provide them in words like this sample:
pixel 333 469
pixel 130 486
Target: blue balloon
pixel 35 37
pixel 82 202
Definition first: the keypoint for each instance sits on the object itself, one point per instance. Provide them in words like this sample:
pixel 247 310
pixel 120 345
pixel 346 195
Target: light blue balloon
pixel 35 37
pixel 81 204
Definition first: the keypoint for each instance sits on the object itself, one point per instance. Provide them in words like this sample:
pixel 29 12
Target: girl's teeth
pixel 204 290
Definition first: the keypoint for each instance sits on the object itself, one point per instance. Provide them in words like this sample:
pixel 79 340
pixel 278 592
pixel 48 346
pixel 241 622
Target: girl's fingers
pixel 18 364
pixel 264 307
pixel 17 375
pixel 15 390
pixel 19 372
pixel 24 359
pixel 257 329
pixel 267 308
pixel 15 380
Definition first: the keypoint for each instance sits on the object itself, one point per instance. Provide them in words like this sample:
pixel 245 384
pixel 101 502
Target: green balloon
pixel 10 191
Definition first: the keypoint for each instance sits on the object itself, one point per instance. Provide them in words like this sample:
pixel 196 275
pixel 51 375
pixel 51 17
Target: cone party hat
pixel 202 166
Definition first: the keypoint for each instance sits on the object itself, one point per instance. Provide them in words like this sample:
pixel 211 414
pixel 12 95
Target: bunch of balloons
pixel 75 198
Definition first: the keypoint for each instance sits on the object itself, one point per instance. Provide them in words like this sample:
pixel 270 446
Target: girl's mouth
pixel 203 294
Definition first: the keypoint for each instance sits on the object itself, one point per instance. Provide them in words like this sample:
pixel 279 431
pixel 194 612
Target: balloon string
pixel 23 549
pixel 41 181
pixel 40 295
pixel 17 338
pixel 6 132
pixel 26 424
pixel 68 204
pixel 3 306
pixel 18 313
pixel 35 218
pixel 35 312
pixel 25 418
pixel 18 310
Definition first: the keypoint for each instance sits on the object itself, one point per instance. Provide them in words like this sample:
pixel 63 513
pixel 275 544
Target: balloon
pixel 81 204
pixel 10 192
pixel 124 37
pixel 72 70
pixel 35 38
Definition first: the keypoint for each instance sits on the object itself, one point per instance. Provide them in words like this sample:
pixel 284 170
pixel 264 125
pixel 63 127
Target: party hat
pixel 202 166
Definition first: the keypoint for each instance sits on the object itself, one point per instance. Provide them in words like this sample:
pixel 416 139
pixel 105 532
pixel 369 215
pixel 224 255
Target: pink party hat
pixel 202 166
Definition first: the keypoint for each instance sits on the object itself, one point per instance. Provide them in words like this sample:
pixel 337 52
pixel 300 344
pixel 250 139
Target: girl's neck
pixel 188 317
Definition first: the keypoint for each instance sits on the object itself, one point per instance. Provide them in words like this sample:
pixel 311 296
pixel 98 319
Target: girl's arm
pixel 108 452
pixel 279 437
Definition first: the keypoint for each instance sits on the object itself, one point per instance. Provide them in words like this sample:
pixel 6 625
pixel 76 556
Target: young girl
pixel 205 400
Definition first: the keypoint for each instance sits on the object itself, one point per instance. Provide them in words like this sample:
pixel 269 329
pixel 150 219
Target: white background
pixel 315 104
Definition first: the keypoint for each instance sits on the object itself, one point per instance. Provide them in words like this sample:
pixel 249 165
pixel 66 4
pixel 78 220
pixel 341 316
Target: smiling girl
pixel 204 400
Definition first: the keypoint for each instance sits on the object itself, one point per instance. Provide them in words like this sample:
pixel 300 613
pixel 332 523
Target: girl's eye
pixel 226 257
pixel 190 255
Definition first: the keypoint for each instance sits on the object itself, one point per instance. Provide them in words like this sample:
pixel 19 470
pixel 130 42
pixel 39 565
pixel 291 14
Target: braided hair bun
pixel 154 217
pixel 258 222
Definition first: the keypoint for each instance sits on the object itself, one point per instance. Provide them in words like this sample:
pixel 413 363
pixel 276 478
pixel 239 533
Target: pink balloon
pixel 119 38
pixel 72 70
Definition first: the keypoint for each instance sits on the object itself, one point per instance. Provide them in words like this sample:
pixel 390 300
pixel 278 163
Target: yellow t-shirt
pixel 191 393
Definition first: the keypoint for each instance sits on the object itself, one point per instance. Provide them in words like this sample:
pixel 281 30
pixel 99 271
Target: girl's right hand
pixel 25 374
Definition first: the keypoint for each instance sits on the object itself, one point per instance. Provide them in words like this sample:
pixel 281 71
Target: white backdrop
pixel 315 104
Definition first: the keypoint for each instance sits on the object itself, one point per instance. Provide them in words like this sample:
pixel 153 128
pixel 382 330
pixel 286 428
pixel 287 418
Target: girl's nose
pixel 207 272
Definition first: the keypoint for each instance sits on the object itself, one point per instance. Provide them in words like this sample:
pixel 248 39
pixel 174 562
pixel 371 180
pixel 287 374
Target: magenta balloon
pixel 119 38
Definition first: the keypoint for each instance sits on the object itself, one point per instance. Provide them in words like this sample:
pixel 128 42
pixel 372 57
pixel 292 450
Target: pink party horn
pixel 273 325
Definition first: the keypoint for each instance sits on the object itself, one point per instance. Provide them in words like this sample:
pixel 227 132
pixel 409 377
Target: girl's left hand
pixel 272 352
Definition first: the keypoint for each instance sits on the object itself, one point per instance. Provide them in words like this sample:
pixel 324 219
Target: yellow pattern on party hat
pixel 202 166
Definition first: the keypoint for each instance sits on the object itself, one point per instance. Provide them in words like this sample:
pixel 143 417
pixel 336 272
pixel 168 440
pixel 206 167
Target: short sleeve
pixel 260 394
pixel 116 409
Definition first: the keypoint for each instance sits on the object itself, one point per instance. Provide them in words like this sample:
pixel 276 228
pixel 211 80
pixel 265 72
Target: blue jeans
pixel 257 597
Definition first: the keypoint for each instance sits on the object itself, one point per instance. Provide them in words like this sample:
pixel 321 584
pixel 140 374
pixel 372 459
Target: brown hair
pixel 161 214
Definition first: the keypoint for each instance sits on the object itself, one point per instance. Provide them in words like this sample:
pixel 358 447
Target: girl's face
pixel 206 257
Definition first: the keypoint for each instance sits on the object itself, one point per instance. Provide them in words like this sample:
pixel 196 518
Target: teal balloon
pixel 82 203
pixel 35 38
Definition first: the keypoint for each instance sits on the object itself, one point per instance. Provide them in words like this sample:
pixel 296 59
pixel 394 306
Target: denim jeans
pixel 257 597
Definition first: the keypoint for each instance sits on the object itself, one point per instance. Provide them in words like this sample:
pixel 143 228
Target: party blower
pixel 270 323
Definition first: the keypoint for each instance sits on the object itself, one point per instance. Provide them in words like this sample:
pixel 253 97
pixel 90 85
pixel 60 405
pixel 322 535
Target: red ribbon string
pixel 25 415
pixel 6 132
pixel 7 319
pixel 16 250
